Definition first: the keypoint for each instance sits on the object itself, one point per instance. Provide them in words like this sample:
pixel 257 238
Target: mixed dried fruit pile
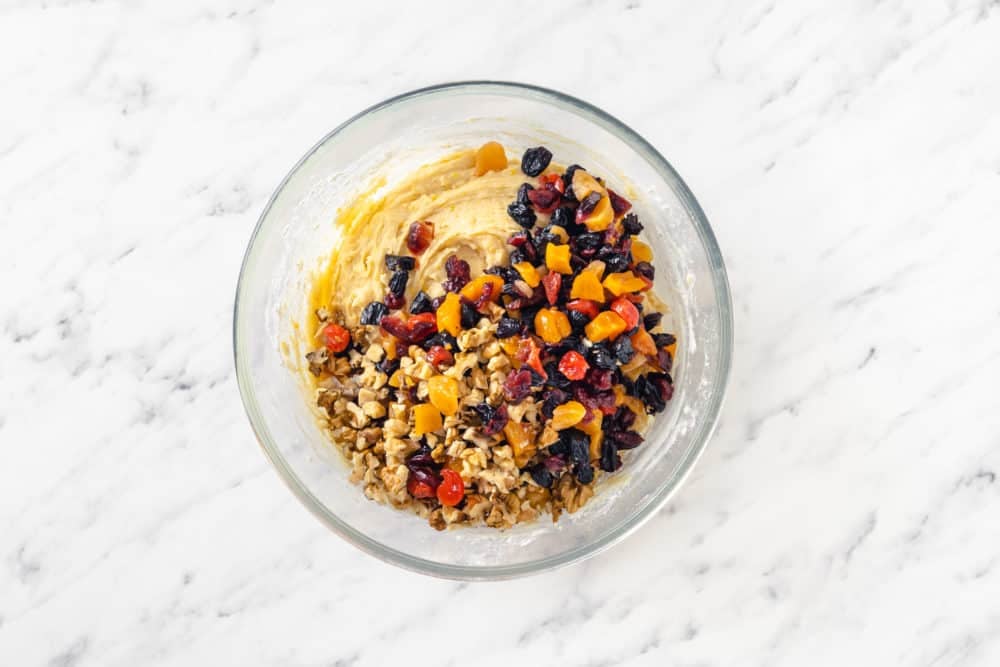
pixel 504 396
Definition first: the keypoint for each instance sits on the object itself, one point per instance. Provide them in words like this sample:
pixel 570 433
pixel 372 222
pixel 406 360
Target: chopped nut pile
pixel 506 396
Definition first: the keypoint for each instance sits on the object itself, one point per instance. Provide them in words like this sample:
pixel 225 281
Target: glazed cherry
pixel 336 338
pixel 451 490
pixel 573 365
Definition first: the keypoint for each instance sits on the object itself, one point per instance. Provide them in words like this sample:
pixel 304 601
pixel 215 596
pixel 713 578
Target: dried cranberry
pixel 645 269
pixel 544 201
pixel 599 379
pixel 518 239
pixel 422 483
pixel 610 460
pixel 541 475
pixel 522 215
pixel 397 282
pixel 421 303
pixel 517 385
pixel 419 236
pixel 374 312
pixel 492 419
pixel 457 271
pixel 485 297
pixel 507 327
pixel 400 263
pixel 631 224
pixel 522 194
pixel 651 321
pixel 535 160
pixel 552 282
pixel 619 204
pixel 438 356
pixel 554 464
pixel 394 301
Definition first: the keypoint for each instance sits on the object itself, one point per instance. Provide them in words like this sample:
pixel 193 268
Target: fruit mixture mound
pixel 495 398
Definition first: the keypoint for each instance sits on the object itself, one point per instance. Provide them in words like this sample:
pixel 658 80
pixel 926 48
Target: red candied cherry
pixel 573 365
pixel 626 310
pixel 335 337
pixel 451 490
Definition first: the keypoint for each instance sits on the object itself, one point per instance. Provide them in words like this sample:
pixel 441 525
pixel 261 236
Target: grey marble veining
pixel 848 156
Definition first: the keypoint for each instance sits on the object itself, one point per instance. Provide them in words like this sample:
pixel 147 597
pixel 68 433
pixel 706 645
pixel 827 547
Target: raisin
pixel 507 327
pixel 442 338
pixel 649 393
pixel 631 224
pixel 645 269
pixel 562 217
pixel 469 316
pixel 535 160
pixel 397 282
pixel 517 256
pixel 394 301
pixel 588 241
pixel 556 379
pixel 584 473
pixel 626 439
pixel 517 385
pixel 419 236
pixel 568 179
pixel 577 445
pixel 493 419
pixel 663 339
pixel 610 460
pixel 577 320
pixel 387 365
pixel 553 397
pixel 523 192
pixel 622 350
pixel 541 475
pixel 600 357
pixel 400 263
pixel 508 274
pixel 588 205
pixel 664 359
pixel 421 303
pixel 544 201
pixel 651 321
pixel 373 313
pixel 421 459
pixel 616 263
pixel 522 215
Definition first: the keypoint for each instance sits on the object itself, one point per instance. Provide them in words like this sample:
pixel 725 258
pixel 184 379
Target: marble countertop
pixel 846 512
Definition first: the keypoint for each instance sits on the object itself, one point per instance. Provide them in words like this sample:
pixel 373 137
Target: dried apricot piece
pixel 490 157
pixel 426 419
pixel 443 394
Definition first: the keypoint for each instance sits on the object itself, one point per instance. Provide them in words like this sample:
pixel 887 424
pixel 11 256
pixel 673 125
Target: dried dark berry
pixel 568 177
pixel 626 439
pixel 522 215
pixel 457 272
pixel 588 205
pixel 544 201
pixel 599 357
pixel 517 385
pixel 619 204
pixel 553 397
pixel 654 390
pixel 387 365
pixel 554 464
pixel 421 459
pixel 645 269
pixel 610 460
pixel 577 320
pixel 664 360
pixel 442 338
pixel 508 326
pixel 469 316
pixel 421 303
pixel 517 256
pixel 599 378
pixel 522 194
pixel 588 241
pixel 556 379
pixel 622 350
pixel 535 160
pixel 374 312
pixel 436 302
pixel 400 263
pixel 578 445
pixel 651 321
pixel 419 237
pixel 541 475
pixel 584 473
pixel 563 217
pixel 559 448
pixel 394 301
pixel 397 282
pixel 663 339
pixel 631 224
pixel 493 419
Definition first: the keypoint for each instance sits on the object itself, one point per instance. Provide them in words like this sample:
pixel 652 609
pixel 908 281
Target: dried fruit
pixel 426 419
pixel 394 301
pixel 449 314
pixel 563 217
pixel 599 217
pixel 610 460
pixel 517 385
pixel 577 320
pixel 442 391
pixel 535 160
pixel 470 317
pixel 508 326
pixel 587 206
pixel 400 263
pixel 373 313
pixel 622 350
pixel 335 338
pixel 544 201
pixel 588 286
pixel 621 283
pixel 457 273
pixel 541 476
pixel 419 237
pixel 530 353
pixel 478 288
pixel 414 330
pixel 576 444
pixel 522 440
pixel 631 224
pixel 573 365
pixel 627 311
pixel 522 194
pixel 585 306
pixel 553 397
pixel 451 490
pixel 567 415
pixel 557 258
pixel 626 439
pixel 493 419
pixel 552 325
pixel 439 356
pixel 490 157
pixel 643 343
pixel 528 273
pixel 652 320
pixel 422 483
pixel 646 270
pixel 584 185
pixel 397 282
pixel 619 204
pixel 641 252
pixel 522 214
pixel 606 325
pixel 552 283
pixel 600 357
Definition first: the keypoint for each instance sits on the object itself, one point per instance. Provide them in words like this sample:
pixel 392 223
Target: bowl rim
pixel 699 441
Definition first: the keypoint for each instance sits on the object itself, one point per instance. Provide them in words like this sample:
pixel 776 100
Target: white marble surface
pixel 846 513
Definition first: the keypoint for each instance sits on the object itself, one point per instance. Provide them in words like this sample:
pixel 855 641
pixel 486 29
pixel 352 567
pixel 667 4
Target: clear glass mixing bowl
pixel 295 231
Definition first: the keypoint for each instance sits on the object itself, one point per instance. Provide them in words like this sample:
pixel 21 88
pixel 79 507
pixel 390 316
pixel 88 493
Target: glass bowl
pixel 296 231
